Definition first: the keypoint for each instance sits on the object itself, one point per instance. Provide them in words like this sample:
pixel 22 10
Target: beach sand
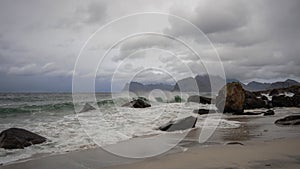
pixel 282 153
pixel 273 154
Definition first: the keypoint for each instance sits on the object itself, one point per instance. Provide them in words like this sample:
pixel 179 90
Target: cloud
pixel 256 39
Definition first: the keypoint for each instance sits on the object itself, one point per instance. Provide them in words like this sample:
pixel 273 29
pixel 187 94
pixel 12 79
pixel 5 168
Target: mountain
pixel 258 86
pixel 201 83
pixel 139 87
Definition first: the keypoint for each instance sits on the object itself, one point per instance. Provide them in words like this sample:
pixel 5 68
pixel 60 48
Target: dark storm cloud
pixel 256 39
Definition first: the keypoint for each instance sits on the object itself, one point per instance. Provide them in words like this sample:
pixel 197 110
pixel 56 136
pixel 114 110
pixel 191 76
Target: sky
pixel 45 44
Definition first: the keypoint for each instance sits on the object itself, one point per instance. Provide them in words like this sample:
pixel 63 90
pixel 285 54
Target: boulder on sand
pixel 289 120
pixel 138 103
pixel 199 99
pixel 16 138
pixel 231 98
pixel 182 124
pixel 269 113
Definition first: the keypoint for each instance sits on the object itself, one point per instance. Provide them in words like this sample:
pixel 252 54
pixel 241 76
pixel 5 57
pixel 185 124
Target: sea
pixel 52 115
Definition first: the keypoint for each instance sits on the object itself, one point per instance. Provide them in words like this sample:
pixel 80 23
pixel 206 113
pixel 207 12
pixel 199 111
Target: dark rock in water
pixel 231 97
pixel 138 103
pixel 203 111
pixel 289 120
pixel 87 107
pixel 199 99
pixel 182 124
pixel 274 92
pixel 296 100
pixel 282 101
pixel 16 138
pixel 264 98
pixel 269 113
pixel 249 113
pixel 252 102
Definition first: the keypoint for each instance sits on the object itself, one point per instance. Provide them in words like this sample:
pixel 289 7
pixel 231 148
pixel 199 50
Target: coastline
pixel 272 144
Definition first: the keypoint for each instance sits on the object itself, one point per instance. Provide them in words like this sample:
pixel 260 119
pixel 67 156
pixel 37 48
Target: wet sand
pixel 274 154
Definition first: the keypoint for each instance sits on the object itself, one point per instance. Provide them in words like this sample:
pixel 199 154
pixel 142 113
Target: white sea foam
pixel 107 126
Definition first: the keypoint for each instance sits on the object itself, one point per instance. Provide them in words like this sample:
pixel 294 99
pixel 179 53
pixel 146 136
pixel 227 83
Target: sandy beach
pixel 274 154
pixel 281 153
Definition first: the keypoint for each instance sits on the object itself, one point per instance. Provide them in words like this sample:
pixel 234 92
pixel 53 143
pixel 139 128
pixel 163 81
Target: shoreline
pixel 276 153
pixel 253 130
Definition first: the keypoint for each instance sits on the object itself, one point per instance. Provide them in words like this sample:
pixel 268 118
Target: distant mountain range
pixel 201 83
pixel 258 86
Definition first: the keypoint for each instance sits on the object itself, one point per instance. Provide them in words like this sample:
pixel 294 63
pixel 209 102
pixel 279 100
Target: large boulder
pixel 231 97
pixel 199 99
pixel 282 101
pixel 182 124
pixel 138 103
pixel 289 120
pixel 252 102
pixel 16 138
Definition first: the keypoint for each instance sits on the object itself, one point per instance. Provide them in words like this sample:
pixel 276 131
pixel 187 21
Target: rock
pixel 87 107
pixel 182 124
pixel 16 138
pixel 199 99
pixel 289 120
pixel 252 102
pixel 269 113
pixel 138 103
pixel 264 98
pixel 234 143
pixel 249 113
pixel 274 92
pixel 203 111
pixel 296 100
pixel 282 101
pixel 231 97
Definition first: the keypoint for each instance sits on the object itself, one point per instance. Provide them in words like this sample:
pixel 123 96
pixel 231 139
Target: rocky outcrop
pixel 296 100
pixel 264 98
pixel 138 103
pixel 282 101
pixel 16 138
pixel 87 107
pixel 199 99
pixel 182 124
pixel 274 92
pixel 252 102
pixel 231 98
pixel 289 120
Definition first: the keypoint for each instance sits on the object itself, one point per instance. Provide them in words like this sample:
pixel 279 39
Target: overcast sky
pixel 41 40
